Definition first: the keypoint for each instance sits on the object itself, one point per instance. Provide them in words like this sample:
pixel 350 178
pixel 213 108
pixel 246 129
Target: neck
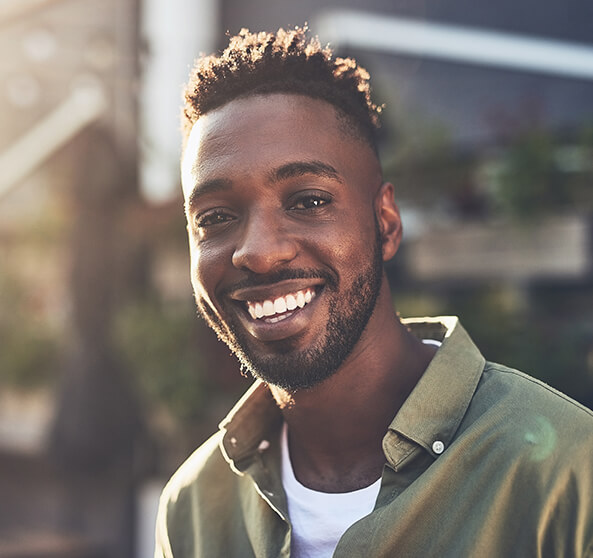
pixel 335 429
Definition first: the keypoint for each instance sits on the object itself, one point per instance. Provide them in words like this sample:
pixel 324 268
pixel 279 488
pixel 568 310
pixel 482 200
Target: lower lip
pixel 288 325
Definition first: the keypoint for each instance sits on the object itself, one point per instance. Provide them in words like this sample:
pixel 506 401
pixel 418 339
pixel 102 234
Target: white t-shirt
pixel 319 519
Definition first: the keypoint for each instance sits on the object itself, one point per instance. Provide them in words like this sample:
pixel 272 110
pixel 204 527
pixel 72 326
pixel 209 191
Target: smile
pixel 280 308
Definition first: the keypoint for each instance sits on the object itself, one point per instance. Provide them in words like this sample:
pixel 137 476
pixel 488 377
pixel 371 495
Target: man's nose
pixel 264 244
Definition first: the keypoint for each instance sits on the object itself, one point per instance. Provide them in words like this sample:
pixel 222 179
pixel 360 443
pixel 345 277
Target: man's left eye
pixel 311 202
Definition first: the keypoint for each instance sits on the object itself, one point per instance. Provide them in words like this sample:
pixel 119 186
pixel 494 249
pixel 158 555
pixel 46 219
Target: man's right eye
pixel 212 218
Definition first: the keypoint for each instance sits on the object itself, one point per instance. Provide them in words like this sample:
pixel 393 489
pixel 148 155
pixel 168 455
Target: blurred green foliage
pixel 424 166
pixel 159 344
pixel 29 348
pixel 542 175
pixel 533 173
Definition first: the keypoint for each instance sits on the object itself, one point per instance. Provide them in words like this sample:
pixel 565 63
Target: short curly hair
pixel 287 61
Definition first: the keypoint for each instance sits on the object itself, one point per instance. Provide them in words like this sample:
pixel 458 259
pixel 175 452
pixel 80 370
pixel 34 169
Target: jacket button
pixel 438 447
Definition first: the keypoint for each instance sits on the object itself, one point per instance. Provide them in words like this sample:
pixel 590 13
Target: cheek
pixel 354 241
pixel 203 271
pixel 346 251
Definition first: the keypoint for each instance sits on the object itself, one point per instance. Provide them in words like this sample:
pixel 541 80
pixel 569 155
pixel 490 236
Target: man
pixel 363 435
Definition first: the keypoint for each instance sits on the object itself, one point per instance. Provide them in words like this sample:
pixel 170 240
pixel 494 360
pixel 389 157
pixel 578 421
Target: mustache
pixel 256 280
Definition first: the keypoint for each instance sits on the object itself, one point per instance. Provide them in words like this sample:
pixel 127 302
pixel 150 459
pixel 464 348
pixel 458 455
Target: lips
pixel 280 310
pixel 280 307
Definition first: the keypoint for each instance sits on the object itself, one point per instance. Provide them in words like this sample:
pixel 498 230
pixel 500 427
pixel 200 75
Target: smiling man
pixel 363 435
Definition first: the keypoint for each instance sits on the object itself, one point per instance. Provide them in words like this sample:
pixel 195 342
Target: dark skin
pixel 250 214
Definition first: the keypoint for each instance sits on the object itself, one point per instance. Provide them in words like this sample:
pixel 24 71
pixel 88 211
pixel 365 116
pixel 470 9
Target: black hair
pixel 287 61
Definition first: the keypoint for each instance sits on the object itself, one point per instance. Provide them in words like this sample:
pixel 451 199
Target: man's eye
pixel 211 218
pixel 311 202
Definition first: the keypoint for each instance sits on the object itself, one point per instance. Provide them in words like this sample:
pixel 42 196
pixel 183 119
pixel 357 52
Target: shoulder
pixel 195 502
pixel 204 467
pixel 511 405
pixel 513 387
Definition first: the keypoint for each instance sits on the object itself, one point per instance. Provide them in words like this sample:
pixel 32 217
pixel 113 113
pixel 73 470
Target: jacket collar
pixel 433 411
pixel 254 419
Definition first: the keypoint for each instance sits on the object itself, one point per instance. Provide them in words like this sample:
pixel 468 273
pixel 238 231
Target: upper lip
pixel 267 292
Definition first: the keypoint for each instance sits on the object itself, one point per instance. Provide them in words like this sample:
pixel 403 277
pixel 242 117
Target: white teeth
pixel 259 310
pixel 300 299
pixel 268 308
pixel 279 306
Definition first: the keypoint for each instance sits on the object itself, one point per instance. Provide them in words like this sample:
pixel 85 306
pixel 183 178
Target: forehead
pixel 259 133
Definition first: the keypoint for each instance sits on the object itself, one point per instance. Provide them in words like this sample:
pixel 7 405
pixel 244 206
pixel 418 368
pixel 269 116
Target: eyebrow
pixel 300 168
pixel 208 187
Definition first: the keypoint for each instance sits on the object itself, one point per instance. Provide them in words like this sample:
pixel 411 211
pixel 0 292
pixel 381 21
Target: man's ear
pixel 389 220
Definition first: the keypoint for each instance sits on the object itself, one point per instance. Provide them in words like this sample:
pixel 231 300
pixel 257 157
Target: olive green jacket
pixel 480 461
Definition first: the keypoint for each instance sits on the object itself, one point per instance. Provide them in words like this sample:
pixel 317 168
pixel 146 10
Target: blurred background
pixel 107 378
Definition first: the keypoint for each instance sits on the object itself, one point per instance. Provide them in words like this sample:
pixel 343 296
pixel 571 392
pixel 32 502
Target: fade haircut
pixel 287 61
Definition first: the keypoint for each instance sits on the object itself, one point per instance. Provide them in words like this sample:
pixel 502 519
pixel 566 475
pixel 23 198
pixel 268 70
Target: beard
pixel 292 369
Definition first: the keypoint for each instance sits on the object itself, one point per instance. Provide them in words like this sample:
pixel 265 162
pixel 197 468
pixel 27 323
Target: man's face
pixel 286 257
